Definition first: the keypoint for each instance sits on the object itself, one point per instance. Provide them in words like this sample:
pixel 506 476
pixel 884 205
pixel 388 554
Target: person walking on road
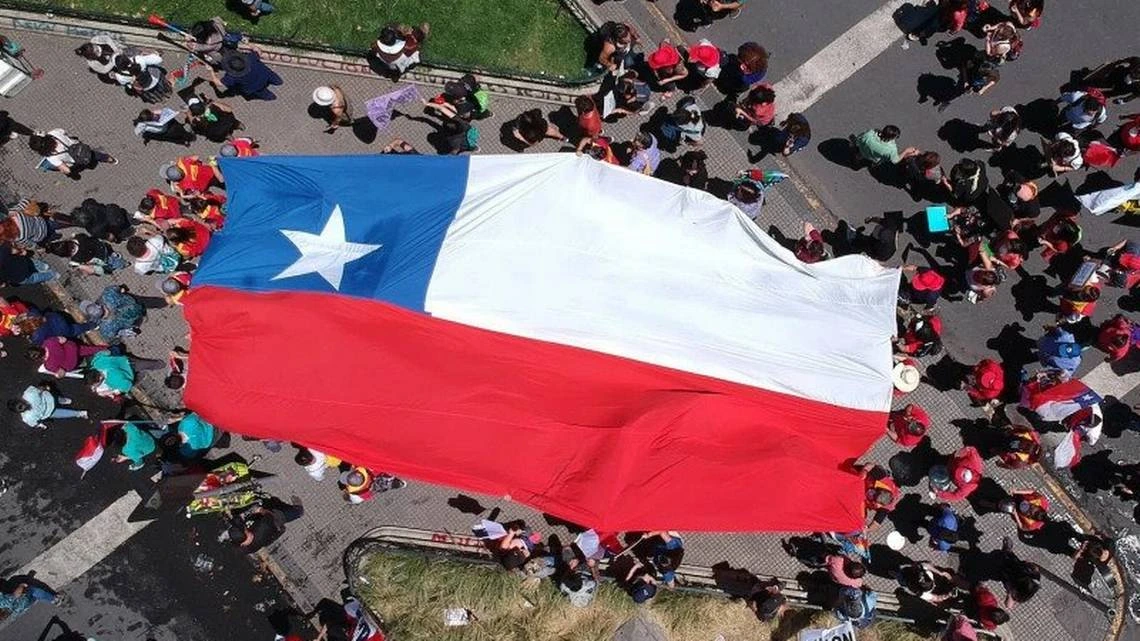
pixel 65 153
pixel 39 403
pixel 245 75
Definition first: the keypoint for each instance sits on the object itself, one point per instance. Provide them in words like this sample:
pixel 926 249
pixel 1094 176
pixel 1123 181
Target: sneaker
pixel 14 135
pixel 63 400
pixel 295 501
pixel 648 108
pixel 82 414
pixel 111 160
pixel 398 483
pixel 734 14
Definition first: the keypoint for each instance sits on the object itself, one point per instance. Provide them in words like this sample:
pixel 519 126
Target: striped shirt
pixel 31 230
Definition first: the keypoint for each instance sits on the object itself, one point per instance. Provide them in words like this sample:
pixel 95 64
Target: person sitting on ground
pixel 153 255
pixel 694 172
pixel 704 58
pixel 639 582
pixel 766 600
pixel 631 96
pixel 908 426
pixel 191 176
pixel 880 146
pixel 240 147
pixel 397 47
pixel 745 70
pixel 195 436
pixel 188 237
pixel 17 267
pixel 922 337
pixel 1124 261
pixel 959 628
pixel 1117 336
pixel 206 38
pixel 794 134
pixel 982 280
pixel 39 326
pixel 255 9
pixel 667 66
pixel 21 599
pixel 140 73
pixel 532 127
pixel 747 196
pixel 684 124
pixel 106 222
pixel 38 403
pixel 950 16
pixel 175 286
pixel 667 552
pixel 1021 579
pixel 857 605
pixel 1021 447
pixel 1026 14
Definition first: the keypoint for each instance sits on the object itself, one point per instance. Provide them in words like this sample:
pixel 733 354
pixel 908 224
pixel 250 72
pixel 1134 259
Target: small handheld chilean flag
pixel 604 346
pixel 91 452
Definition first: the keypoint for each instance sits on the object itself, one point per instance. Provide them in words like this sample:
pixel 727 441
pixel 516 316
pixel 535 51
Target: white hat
pixel 324 96
pixel 905 377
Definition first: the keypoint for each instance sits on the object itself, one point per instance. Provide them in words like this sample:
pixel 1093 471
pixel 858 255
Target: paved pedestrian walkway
pixel 68 96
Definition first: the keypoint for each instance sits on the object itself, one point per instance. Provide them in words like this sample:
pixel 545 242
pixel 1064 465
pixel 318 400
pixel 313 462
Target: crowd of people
pixel 988 232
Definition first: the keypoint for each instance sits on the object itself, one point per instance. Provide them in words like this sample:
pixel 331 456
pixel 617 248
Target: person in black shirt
pixel 262 525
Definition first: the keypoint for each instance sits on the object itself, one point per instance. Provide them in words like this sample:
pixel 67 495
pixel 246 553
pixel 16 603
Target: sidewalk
pixel 309 554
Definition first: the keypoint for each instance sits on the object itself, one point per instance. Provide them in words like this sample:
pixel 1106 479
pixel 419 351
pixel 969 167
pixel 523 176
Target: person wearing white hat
pixel 334 104
pixel 397 47
pixel 906 376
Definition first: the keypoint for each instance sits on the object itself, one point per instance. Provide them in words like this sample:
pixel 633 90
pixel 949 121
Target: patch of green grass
pixel 531 36
pixel 411 591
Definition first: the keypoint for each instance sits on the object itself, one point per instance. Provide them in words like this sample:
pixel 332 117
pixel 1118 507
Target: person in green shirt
pixel 110 375
pixel 136 444
pixel 197 436
pixel 880 146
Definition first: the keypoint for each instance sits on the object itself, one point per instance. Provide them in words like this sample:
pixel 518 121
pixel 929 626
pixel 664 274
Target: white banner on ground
pixel 843 632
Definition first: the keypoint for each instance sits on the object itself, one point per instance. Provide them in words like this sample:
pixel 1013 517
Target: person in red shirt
pixel 959 628
pixel 1023 447
pixel 158 205
pixel 589 121
pixel 667 66
pixel 10 310
pixel 189 176
pixel 923 336
pixel 209 212
pixel 1029 508
pixel 908 426
pixel 984 384
pixel 243 147
pixel 960 477
pixel 880 492
pixel 1116 337
pixel 986 609
pixel 924 288
pixel 189 237
pixel 758 108
pixel 1058 234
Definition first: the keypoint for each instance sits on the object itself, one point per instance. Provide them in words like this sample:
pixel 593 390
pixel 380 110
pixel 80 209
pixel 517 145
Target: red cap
pixel 666 56
pixel 928 280
pixel 706 54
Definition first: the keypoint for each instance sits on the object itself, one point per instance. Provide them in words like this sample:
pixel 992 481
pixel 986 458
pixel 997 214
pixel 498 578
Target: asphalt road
pixel 171 581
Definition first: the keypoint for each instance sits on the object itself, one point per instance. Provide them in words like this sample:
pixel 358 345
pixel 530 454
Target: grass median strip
pixel 412 590
pixel 536 37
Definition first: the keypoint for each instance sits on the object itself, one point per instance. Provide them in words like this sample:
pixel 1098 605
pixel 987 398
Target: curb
pixel 51 24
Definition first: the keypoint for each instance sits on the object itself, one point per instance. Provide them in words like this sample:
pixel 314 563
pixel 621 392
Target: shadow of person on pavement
pixel 963 137
pixel 1014 350
pixel 1039 116
pixel 936 88
pixel 840 152
pixel 1031 295
pixel 1027 161
pixel 466 504
pixel 909 467
pixel 979 433
pixel 946 374
pixel 65 631
pixel 1096 472
pixel 910 516
pixel 986 498
pixel 1055 537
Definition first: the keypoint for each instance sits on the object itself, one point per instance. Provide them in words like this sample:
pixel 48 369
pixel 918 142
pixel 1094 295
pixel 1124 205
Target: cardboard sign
pixel 842 632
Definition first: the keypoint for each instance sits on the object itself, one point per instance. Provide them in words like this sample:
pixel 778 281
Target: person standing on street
pixel 245 75
pixel 65 153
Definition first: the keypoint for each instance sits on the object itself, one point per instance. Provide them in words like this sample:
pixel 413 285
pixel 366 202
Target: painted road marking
pixel 839 60
pixel 93 541
pixel 1106 382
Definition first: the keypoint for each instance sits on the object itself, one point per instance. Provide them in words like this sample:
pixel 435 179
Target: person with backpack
pixel 108 222
pixel 629 96
pixel 214 120
pixel 65 153
pixel 857 605
pixel 1058 349
pixel 685 124
pixel 1003 43
pixel 1081 110
pixel 140 73
pixel 100 52
pixel 977 74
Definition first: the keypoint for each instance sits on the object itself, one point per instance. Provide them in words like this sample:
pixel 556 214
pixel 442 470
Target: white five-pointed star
pixel 325 254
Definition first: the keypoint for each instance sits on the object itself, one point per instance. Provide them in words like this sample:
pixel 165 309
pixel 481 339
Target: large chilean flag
pixel 603 346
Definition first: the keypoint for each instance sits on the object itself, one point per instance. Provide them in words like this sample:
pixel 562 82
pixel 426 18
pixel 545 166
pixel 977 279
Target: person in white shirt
pixel 313 462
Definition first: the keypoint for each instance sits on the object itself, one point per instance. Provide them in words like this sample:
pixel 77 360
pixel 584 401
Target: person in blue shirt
pixel 668 551
pixel 943 528
pixel 245 75
pixel 1058 349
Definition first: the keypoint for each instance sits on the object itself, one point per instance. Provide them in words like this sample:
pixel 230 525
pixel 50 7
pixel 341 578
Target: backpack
pixel 82 154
